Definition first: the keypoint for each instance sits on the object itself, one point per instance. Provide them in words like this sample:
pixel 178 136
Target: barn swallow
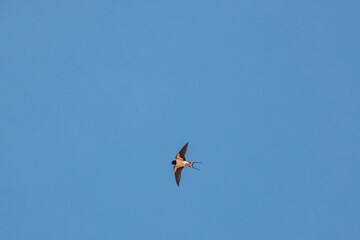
pixel 180 162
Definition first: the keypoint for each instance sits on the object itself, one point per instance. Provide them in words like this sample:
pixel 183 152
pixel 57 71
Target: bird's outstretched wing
pixel 177 172
pixel 181 154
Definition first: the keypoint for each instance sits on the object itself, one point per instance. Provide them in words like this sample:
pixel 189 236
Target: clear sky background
pixel 97 97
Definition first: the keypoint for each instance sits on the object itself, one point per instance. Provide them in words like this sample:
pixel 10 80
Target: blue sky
pixel 97 97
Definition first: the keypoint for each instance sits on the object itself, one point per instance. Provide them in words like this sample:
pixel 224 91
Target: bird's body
pixel 180 162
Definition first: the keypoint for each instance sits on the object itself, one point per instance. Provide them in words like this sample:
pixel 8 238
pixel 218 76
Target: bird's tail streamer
pixel 192 165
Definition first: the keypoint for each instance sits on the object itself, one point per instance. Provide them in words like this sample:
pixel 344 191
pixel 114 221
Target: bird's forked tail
pixel 192 165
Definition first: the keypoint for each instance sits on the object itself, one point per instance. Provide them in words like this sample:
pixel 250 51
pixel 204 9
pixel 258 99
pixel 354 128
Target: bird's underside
pixel 180 163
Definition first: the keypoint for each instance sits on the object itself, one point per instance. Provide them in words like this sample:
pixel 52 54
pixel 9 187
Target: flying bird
pixel 180 162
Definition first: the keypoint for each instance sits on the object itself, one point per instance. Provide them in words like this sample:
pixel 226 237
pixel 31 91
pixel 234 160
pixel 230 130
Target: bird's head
pixel 173 162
